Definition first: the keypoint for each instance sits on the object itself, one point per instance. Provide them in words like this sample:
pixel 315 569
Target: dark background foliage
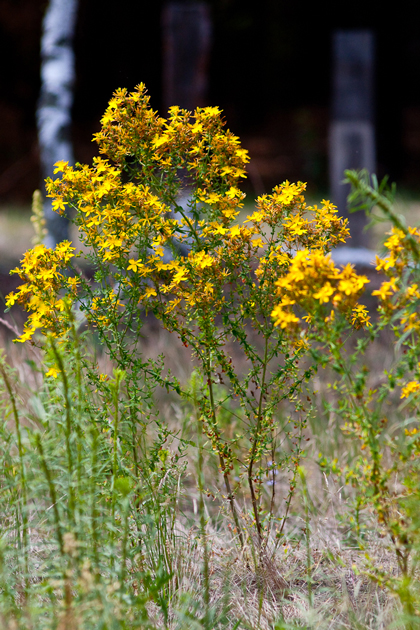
pixel 270 71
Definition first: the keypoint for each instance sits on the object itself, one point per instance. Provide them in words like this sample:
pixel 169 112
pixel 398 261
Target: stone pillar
pixel 186 49
pixel 352 135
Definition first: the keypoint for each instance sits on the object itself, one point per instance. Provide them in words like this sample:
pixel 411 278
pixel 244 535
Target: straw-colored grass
pixel 241 590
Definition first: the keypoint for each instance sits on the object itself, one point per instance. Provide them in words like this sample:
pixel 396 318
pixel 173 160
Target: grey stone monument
pixel 186 34
pixel 352 135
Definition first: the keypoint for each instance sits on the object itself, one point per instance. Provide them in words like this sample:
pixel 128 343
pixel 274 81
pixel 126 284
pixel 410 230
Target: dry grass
pixel 343 597
pixel 276 595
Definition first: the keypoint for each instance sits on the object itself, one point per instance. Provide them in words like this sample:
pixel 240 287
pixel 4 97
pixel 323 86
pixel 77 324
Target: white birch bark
pixel 56 99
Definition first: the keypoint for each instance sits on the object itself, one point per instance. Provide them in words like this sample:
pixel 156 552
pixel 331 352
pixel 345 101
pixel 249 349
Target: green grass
pixel 95 537
pixel 113 515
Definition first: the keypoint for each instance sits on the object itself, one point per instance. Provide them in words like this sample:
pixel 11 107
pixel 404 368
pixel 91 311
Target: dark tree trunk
pixel 186 51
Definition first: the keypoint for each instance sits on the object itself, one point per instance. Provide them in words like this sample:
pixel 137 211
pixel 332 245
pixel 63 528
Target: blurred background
pixel 283 72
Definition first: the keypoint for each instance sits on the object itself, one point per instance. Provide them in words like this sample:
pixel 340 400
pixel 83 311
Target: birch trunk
pixel 56 99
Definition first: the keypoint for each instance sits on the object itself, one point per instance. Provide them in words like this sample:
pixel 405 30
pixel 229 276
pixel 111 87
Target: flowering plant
pixel 227 289
pixel 385 470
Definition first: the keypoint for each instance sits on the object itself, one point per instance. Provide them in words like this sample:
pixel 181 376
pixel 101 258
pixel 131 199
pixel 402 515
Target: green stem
pixel 256 436
pixel 79 400
pixel 357 404
pixel 200 477
pixel 68 429
pixel 134 439
pixel 53 494
pixel 307 536
pixel 93 511
pixel 223 466
pixel 182 213
pixel 22 476
pixel 116 388
pixel 382 202
pixel 124 544
pixel 273 491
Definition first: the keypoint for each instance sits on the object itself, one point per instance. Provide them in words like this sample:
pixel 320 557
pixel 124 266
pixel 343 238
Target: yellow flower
pixel 208 288
pixel 111 242
pixel 256 217
pixel 180 275
pixel 411 322
pixel 283 318
pixel 324 294
pixel 202 260
pixel 258 242
pixel 243 154
pixel 212 198
pixel 296 225
pixel 412 292
pixel 387 289
pixel 235 231
pixel 385 263
pixel 234 192
pixel 288 192
pixel 216 228
pixel 395 240
pixel 60 166
pixel 10 299
pixel 197 127
pixel 104 188
pixel 347 286
pixel 159 141
pixel 52 372
pixel 360 316
pixel 287 301
pixel 28 334
pixel 58 204
pixel 150 291
pixel 410 388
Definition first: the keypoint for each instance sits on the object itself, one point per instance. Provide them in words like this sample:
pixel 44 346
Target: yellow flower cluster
pixel 395 294
pixel 41 268
pixel 410 388
pixel 313 280
pixel 307 226
pixel 399 254
pixel 197 143
pixel 127 212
